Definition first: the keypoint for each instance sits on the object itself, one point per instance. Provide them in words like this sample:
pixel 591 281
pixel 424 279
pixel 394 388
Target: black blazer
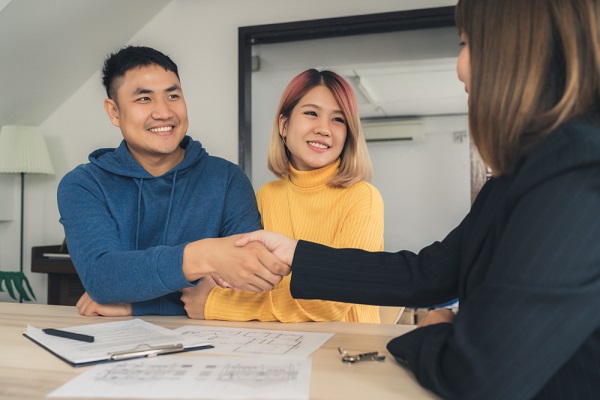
pixel 525 265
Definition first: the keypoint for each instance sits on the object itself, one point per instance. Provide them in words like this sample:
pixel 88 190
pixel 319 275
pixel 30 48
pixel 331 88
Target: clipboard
pixel 115 341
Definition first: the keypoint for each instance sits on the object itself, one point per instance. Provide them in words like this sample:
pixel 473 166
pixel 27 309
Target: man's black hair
pixel 128 58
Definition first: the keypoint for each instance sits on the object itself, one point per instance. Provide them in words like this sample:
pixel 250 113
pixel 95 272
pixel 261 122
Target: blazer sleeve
pixel 380 278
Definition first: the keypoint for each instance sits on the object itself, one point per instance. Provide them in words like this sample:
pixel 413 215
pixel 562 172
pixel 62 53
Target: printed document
pixel 109 338
pixel 194 377
pixel 256 342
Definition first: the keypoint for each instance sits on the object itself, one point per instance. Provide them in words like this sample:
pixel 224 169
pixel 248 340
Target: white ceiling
pixel 50 48
pixel 409 88
pixel 406 73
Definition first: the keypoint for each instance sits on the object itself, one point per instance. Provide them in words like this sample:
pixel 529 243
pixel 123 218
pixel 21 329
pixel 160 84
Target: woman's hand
pixel 438 316
pixel 280 245
pixel 194 298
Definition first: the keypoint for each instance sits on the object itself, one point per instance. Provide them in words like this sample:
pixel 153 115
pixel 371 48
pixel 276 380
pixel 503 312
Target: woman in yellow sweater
pixel 320 156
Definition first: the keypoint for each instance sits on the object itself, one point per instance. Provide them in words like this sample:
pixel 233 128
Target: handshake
pixel 254 261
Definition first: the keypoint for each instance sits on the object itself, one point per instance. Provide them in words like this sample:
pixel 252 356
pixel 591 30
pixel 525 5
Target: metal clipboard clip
pixel 145 350
pixel 352 358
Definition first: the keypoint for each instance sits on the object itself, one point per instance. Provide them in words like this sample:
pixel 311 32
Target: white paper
pixel 109 337
pixel 194 377
pixel 257 342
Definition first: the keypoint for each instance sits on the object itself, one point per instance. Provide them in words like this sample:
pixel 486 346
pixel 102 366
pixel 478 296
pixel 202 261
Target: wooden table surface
pixel 27 371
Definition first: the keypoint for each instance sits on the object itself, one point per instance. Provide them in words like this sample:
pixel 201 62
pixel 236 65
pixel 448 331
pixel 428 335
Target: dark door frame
pixel 249 36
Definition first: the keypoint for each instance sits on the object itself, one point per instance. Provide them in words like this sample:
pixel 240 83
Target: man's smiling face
pixel 151 112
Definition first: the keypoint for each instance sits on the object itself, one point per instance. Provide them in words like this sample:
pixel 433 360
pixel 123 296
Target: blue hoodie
pixel 126 229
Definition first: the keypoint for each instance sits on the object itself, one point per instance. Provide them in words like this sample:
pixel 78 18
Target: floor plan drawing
pixel 259 375
pixel 232 341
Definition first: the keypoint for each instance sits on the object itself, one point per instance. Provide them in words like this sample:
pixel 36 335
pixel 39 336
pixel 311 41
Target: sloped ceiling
pixel 409 88
pixel 48 49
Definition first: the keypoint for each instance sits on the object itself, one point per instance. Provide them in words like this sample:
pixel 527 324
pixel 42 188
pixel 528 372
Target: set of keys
pixel 352 358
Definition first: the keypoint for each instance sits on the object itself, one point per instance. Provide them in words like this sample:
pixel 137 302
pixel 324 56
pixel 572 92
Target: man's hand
pixel 280 245
pixel 90 308
pixel 438 316
pixel 194 299
pixel 251 267
pixel 221 282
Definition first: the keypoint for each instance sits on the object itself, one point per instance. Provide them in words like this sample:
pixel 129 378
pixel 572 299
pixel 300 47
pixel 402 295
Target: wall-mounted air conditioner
pixel 402 129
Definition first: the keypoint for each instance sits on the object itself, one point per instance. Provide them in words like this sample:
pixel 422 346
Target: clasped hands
pixel 254 262
pixel 277 260
pixel 280 252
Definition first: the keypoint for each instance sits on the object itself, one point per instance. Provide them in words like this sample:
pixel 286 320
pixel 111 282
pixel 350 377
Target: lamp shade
pixel 23 150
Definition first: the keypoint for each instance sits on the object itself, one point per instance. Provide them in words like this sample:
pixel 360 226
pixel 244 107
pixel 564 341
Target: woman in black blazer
pixel 525 261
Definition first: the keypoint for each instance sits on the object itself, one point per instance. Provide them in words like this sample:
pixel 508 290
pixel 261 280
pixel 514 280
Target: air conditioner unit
pixel 401 129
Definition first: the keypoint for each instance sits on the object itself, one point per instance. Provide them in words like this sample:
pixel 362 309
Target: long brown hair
pixel 534 65
pixel 355 164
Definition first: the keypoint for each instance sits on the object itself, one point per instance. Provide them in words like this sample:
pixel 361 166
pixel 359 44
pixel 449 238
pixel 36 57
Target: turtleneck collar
pixel 315 177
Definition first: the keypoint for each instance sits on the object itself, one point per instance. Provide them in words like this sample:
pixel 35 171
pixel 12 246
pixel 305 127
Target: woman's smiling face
pixel 315 133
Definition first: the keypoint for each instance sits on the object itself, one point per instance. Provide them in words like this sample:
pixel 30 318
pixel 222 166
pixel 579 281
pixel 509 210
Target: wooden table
pixel 29 372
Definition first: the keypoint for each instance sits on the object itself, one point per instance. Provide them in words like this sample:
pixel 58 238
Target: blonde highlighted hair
pixel 355 164
pixel 534 65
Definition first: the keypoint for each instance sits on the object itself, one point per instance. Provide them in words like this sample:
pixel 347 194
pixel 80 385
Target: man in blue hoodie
pixel 156 214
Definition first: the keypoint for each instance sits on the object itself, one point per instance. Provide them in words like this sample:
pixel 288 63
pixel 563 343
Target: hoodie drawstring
pixel 139 210
pixel 170 208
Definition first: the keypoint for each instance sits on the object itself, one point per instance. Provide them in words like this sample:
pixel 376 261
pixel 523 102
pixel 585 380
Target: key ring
pixel 352 358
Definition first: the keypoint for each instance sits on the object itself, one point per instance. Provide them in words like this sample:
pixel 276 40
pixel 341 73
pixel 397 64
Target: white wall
pixel 201 36
pixel 425 185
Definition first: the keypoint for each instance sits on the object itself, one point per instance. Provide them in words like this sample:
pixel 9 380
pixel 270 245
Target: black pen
pixel 69 335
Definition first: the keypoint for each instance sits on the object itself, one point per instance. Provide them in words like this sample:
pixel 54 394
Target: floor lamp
pixel 23 151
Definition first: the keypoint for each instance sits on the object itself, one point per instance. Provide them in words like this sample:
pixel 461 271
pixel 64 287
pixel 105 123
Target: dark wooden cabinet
pixel 64 286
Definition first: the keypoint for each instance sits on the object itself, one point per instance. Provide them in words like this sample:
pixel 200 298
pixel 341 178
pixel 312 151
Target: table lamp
pixel 22 151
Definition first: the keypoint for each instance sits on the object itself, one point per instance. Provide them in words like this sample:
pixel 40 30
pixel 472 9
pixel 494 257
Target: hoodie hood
pixel 119 161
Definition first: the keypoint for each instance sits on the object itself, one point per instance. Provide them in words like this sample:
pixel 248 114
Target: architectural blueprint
pixel 257 342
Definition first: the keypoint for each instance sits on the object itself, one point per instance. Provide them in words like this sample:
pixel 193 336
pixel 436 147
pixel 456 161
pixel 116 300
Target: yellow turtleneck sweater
pixel 304 207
